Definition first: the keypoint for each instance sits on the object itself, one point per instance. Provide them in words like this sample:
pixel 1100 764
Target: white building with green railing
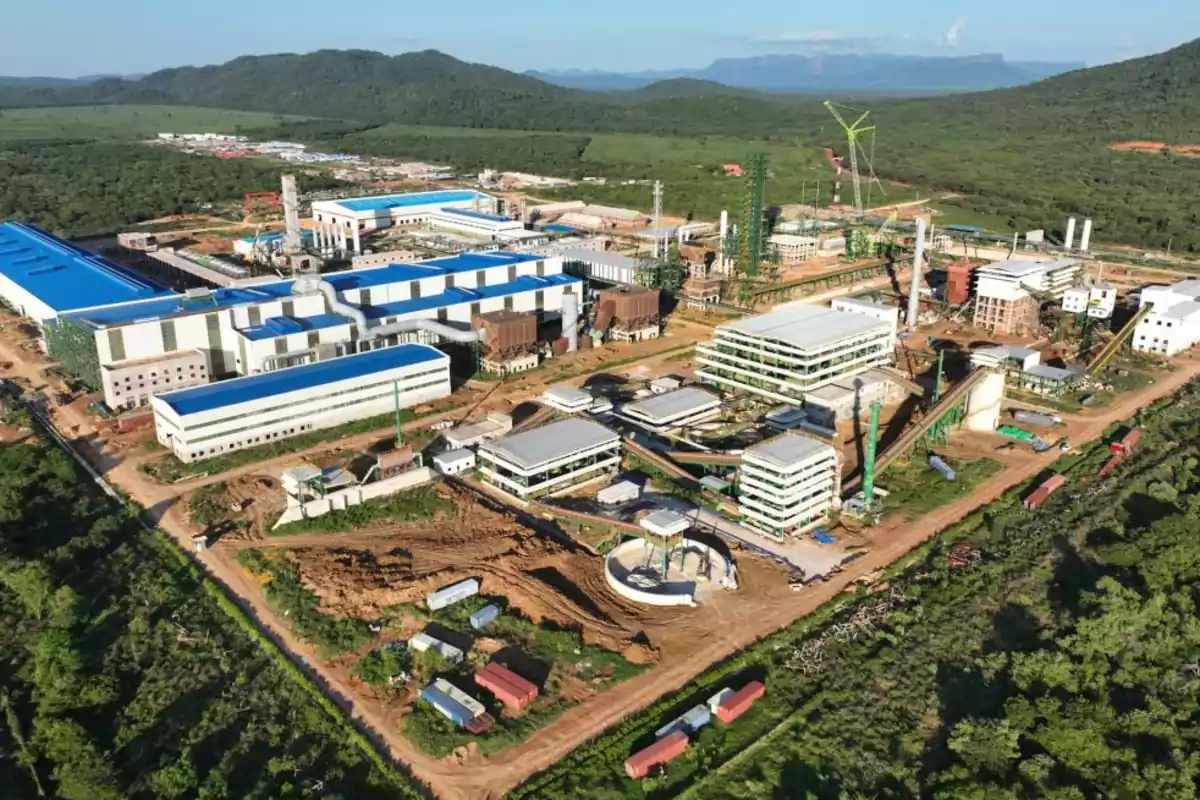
pixel 783 355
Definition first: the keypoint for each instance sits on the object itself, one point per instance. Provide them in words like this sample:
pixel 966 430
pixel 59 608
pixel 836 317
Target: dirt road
pixel 742 626
pixel 740 620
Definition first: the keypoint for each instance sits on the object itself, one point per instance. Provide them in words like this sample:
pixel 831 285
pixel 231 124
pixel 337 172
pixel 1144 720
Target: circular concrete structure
pixel 984 402
pixel 634 570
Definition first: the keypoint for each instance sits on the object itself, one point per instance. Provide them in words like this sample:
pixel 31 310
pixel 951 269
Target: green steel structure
pixel 869 454
pixel 749 243
pixel 819 283
pixel 855 132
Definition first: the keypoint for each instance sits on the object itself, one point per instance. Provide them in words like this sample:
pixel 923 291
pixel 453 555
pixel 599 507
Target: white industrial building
pixel 386 211
pixel 454 462
pixel 205 421
pixel 42 276
pixel 242 330
pixel 794 249
pixel 681 408
pixel 784 355
pixel 1097 302
pixel 567 399
pixel 131 383
pixel 852 397
pixel 880 311
pixel 1173 323
pixel 491 227
pixel 495 426
pixel 550 459
pixel 600 266
pixel 1008 294
pixel 789 484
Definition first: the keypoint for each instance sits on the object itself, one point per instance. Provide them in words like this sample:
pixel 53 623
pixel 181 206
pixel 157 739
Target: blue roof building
pixel 42 275
pixel 208 420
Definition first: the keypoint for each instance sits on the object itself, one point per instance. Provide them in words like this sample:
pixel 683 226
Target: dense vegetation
pixel 82 188
pixel 1025 157
pixel 1063 664
pixel 124 673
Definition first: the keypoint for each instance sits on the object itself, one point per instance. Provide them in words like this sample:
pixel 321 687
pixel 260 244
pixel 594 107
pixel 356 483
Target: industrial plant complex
pixel 567 439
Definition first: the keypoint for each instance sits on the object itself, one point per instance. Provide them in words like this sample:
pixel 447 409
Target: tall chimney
pixel 721 264
pixel 914 292
pixel 292 243
pixel 1085 241
pixel 1070 243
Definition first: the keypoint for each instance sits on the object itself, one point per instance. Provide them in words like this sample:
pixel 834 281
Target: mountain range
pixel 891 74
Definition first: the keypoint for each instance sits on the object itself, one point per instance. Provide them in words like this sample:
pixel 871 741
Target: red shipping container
pixel 522 686
pixel 1111 465
pixel 504 692
pixel 664 750
pixel 1127 444
pixel 740 701
pixel 1044 491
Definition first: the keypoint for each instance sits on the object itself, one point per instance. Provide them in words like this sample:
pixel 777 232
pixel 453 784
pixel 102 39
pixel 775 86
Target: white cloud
pixel 953 34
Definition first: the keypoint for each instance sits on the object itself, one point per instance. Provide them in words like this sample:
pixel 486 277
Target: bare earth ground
pixel 1185 150
pixel 687 641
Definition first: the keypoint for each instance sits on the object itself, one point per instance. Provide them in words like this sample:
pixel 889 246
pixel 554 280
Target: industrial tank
pixel 984 402
pixel 570 321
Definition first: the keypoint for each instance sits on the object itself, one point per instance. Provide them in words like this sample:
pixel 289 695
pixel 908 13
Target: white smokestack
pixel 292 243
pixel 1070 243
pixel 724 231
pixel 914 292
pixel 570 321
pixel 1085 241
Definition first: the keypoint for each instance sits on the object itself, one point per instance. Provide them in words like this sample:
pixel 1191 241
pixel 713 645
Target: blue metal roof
pixel 560 229
pixel 271 329
pixel 64 276
pixel 389 201
pixel 462 212
pixel 466 262
pixel 270 384
pixel 233 296
pixel 271 238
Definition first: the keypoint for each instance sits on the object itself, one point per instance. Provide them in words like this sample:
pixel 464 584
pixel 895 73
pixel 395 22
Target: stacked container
pixel 690 721
pixel 508 687
pixel 661 752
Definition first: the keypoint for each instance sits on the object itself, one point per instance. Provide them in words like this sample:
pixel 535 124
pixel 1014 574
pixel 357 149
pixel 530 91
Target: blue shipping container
pixel 942 467
pixel 450 708
pixel 483 616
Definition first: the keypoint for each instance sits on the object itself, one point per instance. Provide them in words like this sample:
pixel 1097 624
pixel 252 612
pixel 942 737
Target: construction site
pixel 497 497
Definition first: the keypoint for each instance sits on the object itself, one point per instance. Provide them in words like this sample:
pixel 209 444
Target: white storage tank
pixel 984 402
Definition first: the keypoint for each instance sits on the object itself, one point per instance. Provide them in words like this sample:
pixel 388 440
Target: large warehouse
pixel 551 458
pixel 205 421
pixel 242 330
pixel 386 211
pixel 42 276
pixel 792 351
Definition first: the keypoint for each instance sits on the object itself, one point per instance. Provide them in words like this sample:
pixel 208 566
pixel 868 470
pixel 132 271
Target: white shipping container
pixel 458 695
pixel 452 594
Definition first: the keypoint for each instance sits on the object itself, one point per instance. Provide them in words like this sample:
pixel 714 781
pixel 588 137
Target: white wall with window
pixel 207 421
pixel 551 458
pixel 789 484
pixel 131 383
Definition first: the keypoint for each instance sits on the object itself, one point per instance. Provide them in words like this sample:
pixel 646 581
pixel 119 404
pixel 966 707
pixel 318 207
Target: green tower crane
pixel 855 132
pixel 868 482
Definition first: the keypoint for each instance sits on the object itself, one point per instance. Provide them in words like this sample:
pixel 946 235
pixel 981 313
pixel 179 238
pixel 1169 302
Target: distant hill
pixel 833 73
pixel 39 82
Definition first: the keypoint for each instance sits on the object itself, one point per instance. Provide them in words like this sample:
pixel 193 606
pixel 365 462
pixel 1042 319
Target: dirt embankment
pixel 1185 150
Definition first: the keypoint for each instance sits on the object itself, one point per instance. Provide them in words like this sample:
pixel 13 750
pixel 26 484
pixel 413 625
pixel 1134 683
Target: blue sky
pixel 77 37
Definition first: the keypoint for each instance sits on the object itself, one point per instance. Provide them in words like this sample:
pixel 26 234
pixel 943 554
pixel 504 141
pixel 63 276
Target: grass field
pixel 126 122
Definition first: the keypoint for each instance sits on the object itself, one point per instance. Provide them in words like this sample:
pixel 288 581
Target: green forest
pixel 86 188
pixel 1028 156
pixel 1063 661
pixel 124 673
